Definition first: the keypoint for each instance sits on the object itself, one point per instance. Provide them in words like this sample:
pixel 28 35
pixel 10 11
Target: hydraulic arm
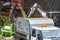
pixel 36 6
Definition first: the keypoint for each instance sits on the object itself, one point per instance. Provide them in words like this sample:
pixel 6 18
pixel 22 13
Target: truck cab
pixel 45 33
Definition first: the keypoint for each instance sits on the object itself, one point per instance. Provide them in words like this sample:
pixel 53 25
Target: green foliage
pixel 1 6
pixel 4 20
pixel 1 21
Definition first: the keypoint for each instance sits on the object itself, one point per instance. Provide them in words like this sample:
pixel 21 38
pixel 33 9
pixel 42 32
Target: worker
pixel 16 5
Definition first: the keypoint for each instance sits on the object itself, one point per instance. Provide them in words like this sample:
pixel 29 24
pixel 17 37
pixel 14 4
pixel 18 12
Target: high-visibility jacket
pixel 21 2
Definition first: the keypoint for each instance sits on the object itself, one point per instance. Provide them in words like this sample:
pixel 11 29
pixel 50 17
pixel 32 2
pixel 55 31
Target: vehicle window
pixel 34 33
pixel 50 33
pixel 39 35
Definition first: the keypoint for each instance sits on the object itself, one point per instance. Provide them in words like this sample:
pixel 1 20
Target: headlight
pixel 46 39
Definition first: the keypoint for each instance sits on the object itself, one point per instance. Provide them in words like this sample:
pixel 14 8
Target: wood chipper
pixel 8 31
pixel 6 28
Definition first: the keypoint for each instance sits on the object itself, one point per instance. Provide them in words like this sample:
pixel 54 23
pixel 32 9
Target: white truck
pixel 36 28
pixel 29 28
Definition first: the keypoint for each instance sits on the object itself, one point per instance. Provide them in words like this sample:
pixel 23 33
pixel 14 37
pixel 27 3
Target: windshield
pixel 50 33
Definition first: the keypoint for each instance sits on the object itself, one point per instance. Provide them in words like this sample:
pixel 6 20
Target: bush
pixel 1 6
